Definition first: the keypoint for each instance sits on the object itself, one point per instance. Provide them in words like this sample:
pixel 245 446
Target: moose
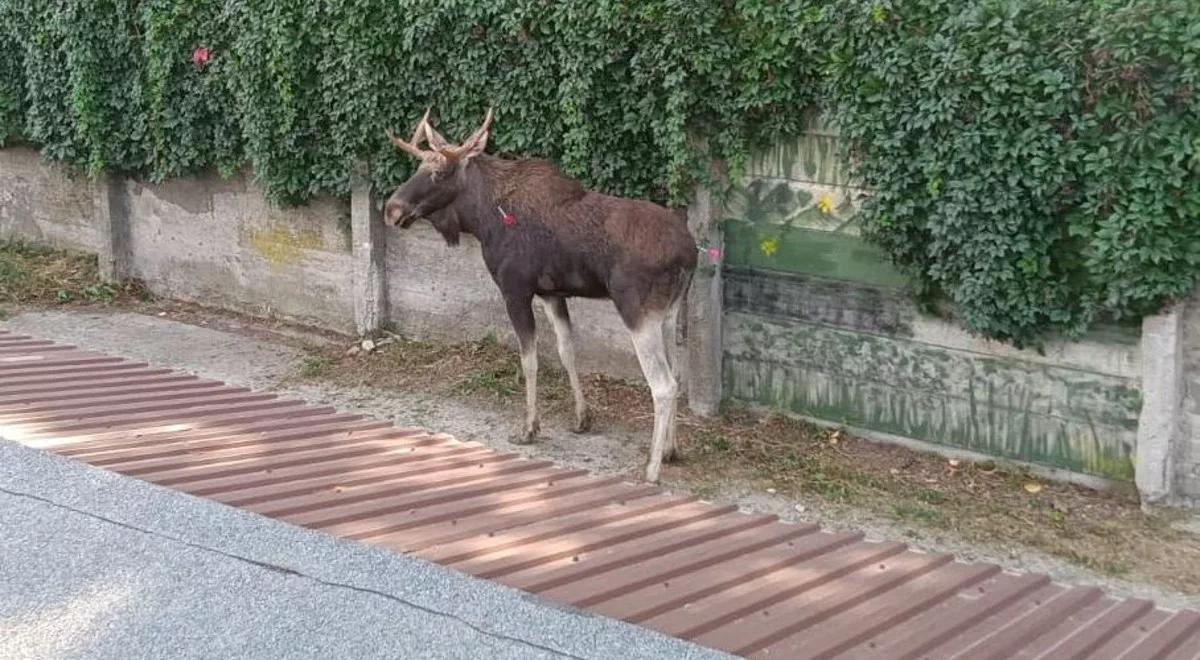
pixel 544 236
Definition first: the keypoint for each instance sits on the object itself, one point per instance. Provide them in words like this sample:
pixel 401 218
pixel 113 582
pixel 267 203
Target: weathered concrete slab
pixel 44 204
pixel 1186 450
pixel 222 244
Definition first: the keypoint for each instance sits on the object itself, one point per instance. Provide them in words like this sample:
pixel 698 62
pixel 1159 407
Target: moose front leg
pixel 520 313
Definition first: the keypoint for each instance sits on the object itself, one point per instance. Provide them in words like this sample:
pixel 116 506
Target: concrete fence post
pixel 1159 424
pixel 704 306
pixel 369 251
pixel 112 223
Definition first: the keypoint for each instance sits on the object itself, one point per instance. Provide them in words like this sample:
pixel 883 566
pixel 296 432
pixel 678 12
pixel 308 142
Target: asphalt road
pixel 96 565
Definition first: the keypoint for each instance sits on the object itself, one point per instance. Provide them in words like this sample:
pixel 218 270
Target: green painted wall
pixel 816 323
pixel 830 255
pixel 1057 417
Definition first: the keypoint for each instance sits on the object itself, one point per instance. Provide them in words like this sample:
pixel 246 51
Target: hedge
pixel 1034 161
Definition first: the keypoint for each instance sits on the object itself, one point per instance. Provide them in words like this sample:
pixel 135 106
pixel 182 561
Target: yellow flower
pixel 769 246
pixel 825 203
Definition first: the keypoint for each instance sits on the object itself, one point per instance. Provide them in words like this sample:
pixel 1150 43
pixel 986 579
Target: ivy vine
pixel 12 85
pixel 1033 161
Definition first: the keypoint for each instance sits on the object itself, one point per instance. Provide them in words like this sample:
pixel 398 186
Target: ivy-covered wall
pixel 817 322
pixel 1035 162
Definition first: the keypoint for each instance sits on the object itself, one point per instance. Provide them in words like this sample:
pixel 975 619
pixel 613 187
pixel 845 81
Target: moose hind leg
pixel 652 354
pixel 670 326
pixel 520 312
pixel 556 309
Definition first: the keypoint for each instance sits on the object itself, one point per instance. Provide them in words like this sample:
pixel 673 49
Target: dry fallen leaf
pixel 1033 488
pixel 894 471
pixel 954 462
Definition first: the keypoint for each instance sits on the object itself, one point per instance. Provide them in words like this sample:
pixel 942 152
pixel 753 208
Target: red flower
pixel 200 57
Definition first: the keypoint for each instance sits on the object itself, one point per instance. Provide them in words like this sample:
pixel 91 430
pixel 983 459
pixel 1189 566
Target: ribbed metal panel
pixel 747 584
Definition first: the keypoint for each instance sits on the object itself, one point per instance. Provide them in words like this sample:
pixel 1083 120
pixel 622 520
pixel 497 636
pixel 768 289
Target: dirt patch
pixel 482 372
pixel 36 275
pixel 976 503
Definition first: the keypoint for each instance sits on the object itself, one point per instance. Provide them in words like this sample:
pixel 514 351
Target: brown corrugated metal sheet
pixel 747 584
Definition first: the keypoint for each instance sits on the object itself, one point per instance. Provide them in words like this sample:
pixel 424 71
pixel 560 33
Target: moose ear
pixel 474 145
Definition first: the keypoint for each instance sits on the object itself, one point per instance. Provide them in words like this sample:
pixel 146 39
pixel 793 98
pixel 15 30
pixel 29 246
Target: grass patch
pixel 313 366
pixel 37 275
pixel 915 512
pixel 480 369
pixel 931 496
pixel 977 503
pixel 502 382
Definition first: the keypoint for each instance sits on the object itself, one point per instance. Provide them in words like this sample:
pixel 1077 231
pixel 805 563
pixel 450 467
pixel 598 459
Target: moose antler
pixel 436 140
pixel 411 147
pixel 476 142
pixel 481 133
pixel 441 146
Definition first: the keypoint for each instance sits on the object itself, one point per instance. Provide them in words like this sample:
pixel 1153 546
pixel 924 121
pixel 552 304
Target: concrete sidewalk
pixel 96 565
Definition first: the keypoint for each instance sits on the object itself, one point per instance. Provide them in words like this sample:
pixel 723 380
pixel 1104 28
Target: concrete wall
pixel 817 323
pixel 1186 463
pixel 218 242
pixel 43 204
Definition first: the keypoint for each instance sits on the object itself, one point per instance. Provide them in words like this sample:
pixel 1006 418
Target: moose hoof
pixel 652 473
pixel 528 436
pixel 583 423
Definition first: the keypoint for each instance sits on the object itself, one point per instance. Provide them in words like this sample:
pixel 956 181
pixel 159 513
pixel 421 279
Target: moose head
pixel 439 179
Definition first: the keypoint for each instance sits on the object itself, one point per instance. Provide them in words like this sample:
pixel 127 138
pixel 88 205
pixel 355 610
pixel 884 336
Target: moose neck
pixel 493 187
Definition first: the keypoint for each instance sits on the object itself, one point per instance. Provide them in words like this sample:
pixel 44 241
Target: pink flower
pixel 714 255
pixel 200 57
